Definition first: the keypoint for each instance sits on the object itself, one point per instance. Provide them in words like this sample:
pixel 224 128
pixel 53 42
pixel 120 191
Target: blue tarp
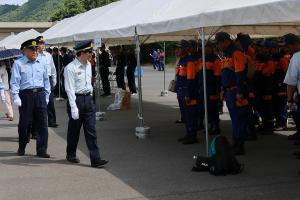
pixel 10 53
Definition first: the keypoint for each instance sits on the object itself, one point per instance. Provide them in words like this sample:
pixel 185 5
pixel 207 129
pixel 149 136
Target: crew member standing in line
pixel 80 106
pixel 104 70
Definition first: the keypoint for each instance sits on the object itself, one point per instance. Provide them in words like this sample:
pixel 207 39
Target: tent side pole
pixel 205 89
pixel 138 61
pixel 98 78
pixel 141 132
pixel 164 92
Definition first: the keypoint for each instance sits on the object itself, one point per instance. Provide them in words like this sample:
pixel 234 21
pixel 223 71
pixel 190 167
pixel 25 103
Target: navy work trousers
pixel 33 108
pixel 87 118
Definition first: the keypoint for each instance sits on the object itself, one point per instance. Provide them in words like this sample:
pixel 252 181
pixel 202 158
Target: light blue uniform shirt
pixel 28 74
pixel 47 59
pixel 292 76
pixel 78 80
pixel 1 85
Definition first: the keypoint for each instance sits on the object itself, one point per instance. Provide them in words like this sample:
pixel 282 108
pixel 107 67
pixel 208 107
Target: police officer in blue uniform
pixel 30 88
pixel 47 59
pixel 80 106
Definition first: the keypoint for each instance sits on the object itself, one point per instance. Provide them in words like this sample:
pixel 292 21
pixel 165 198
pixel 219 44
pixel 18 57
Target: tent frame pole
pixel 202 36
pixel 138 61
pixel 141 131
pixel 100 116
pixel 164 92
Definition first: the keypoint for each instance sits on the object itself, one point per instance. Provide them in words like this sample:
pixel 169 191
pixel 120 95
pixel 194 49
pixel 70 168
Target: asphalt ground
pixel 157 168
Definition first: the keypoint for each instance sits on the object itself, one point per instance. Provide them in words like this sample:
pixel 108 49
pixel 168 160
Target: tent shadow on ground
pixel 160 167
pixel 34 161
pixel 9 139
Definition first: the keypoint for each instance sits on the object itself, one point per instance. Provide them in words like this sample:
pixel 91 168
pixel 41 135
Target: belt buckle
pixel 34 90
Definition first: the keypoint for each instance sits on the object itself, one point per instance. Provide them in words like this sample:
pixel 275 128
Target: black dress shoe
pixel 179 121
pixel 98 163
pixel 21 152
pixel 73 159
pixel 43 155
pixel 54 125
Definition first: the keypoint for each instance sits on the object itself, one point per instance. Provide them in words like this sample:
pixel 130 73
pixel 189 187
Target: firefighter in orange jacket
pixel 234 85
pixel 266 66
pixel 187 92
pixel 213 78
pixel 244 42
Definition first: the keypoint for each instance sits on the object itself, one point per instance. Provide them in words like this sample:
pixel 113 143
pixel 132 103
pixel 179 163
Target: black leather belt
pixel 87 94
pixel 34 90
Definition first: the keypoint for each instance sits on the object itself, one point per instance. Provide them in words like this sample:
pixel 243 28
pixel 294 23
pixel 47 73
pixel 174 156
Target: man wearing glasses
pixel 80 106
pixel 30 88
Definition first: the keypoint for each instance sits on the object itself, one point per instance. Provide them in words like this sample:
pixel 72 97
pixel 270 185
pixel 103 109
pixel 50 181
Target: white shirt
pixel 47 59
pixel 292 76
pixel 4 77
pixel 78 80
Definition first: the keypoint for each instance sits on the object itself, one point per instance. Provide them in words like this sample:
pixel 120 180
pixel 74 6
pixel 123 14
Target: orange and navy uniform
pixel 213 76
pixel 266 66
pixel 281 65
pixel 234 71
pixel 251 56
pixel 234 81
pixel 186 77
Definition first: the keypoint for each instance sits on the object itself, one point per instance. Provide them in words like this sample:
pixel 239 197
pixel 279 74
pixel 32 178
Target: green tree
pixel 70 8
pixel 74 7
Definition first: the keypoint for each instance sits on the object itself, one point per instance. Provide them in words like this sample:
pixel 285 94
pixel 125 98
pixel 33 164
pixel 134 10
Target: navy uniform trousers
pixel 87 118
pixel 33 108
pixel 50 107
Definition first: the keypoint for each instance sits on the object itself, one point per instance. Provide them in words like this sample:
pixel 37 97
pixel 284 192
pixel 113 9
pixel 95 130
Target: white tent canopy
pixel 15 41
pixel 165 20
pixel 6 39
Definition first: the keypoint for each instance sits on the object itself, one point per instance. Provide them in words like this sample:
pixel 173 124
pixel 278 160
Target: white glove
pixel 47 101
pixel 2 95
pixel 18 102
pixel 75 113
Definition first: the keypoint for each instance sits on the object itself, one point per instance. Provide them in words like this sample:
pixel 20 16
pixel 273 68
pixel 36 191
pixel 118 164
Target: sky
pixel 15 2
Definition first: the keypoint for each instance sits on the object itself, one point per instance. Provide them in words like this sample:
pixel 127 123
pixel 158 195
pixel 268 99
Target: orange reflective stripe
pixel 192 102
pixel 268 68
pixel 227 63
pixel 191 71
pixel 241 103
pixel 239 60
pixel 259 66
pixel 284 62
pixel 214 97
pixel 281 94
pixel 209 65
pixel 251 53
pixel 230 89
pixel 267 97
pixel 217 68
